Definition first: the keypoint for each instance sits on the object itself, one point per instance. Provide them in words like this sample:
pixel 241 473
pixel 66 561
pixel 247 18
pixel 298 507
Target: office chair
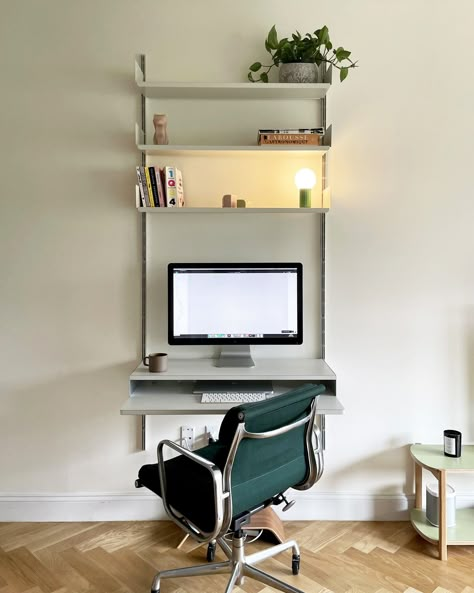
pixel 263 449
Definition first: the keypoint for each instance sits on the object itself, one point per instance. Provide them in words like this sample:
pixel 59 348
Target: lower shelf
pixel 461 534
pixel 176 397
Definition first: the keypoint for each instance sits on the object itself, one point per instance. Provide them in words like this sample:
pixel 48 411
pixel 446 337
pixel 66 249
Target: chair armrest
pixel 219 495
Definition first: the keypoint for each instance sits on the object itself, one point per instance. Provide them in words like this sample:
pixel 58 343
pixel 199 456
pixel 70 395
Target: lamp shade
pixel 305 179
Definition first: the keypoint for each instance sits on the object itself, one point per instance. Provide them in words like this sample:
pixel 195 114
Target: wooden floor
pixel 336 557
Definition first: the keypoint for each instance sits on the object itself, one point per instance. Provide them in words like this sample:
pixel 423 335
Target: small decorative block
pixel 229 201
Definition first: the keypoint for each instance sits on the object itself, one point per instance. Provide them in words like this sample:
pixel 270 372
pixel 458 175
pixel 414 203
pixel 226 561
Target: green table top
pixel 433 456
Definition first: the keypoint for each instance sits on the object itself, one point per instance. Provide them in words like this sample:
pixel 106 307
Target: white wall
pixel 400 330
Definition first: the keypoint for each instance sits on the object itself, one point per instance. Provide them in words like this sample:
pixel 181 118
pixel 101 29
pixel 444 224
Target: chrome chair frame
pixel 238 564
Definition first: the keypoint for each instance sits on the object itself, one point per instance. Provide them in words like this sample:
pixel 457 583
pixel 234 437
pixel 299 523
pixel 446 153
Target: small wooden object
pixel 160 121
pixel 268 521
pixel 229 201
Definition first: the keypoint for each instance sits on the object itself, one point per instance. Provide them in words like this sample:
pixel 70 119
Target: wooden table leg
pixel 418 486
pixel 443 532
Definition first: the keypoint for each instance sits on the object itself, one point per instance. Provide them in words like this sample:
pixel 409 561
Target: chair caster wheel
pixel 211 552
pixel 295 564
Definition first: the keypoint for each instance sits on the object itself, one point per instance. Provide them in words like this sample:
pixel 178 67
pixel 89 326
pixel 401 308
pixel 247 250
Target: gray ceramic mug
pixel 156 362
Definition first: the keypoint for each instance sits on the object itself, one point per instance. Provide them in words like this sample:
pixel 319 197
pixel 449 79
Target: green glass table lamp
pixel 305 180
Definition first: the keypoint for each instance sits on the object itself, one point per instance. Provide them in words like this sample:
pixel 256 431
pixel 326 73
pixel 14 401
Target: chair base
pixel 238 566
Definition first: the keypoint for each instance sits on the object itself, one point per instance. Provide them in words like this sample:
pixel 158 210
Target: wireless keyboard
pixel 234 397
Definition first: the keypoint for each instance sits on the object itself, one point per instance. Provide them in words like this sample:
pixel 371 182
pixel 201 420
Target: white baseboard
pixel 330 506
pixel 84 507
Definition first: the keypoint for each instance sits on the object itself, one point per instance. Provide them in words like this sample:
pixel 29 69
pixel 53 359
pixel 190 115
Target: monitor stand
pixel 235 356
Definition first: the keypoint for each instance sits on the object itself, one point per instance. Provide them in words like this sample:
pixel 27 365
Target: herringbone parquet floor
pixel 336 557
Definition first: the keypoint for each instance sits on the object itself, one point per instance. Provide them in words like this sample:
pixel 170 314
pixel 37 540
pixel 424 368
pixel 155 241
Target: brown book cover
pixel 313 139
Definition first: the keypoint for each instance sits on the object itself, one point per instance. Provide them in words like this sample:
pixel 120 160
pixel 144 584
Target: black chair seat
pixel 190 486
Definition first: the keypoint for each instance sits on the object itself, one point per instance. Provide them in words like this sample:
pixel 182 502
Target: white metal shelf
pixel 285 369
pixel 181 149
pixel 233 211
pixel 232 90
pixel 166 399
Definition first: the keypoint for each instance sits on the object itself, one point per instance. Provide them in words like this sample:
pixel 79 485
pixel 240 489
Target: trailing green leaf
pixel 343 73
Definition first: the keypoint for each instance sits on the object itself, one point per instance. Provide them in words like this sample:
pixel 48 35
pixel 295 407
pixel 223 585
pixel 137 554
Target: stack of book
pixel 160 188
pixel 301 136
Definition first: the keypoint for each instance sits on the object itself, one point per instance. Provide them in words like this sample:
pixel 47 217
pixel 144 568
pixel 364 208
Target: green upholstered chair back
pixel 265 467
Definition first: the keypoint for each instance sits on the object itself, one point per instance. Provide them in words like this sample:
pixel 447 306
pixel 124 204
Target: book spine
pixel 292 131
pixel 171 192
pixel 140 187
pixel 179 189
pixel 163 185
pixel 302 139
pixel 159 185
pixel 154 186
pixel 148 184
pixel 145 187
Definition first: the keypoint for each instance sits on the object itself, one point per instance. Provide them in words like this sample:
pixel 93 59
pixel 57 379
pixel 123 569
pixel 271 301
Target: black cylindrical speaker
pixel 452 443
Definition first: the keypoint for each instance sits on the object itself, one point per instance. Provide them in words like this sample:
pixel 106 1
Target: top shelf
pixel 232 90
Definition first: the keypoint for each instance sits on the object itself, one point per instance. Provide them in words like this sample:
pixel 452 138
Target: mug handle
pixel 147 364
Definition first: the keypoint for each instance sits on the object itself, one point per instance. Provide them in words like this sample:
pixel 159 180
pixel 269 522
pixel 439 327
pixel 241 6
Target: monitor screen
pixel 252 303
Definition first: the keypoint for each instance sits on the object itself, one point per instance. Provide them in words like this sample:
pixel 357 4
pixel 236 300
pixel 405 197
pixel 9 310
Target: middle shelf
pixel 182 149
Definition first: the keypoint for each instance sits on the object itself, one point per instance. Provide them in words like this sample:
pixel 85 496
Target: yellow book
pixel 148 184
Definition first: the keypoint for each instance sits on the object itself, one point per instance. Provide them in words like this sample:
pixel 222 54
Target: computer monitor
pixel 235 305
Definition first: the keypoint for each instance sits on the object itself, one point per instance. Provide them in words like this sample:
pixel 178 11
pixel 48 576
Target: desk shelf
pixel 171 392
pixel 204 369
pixel 168 398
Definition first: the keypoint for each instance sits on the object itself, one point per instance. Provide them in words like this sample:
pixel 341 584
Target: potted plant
pixel 299 58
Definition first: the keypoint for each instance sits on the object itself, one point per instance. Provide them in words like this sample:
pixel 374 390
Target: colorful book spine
pixel 144 186
pixel 170 184
pixel 148 184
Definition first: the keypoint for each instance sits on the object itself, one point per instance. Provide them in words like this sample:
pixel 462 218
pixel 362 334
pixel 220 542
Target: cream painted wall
pixel 400 306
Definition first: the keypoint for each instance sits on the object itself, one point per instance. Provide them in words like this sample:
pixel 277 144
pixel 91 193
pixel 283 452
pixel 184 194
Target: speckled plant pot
pixel 298 72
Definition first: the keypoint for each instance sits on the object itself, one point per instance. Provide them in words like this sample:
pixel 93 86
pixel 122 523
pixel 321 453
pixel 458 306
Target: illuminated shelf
pixel 233 211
